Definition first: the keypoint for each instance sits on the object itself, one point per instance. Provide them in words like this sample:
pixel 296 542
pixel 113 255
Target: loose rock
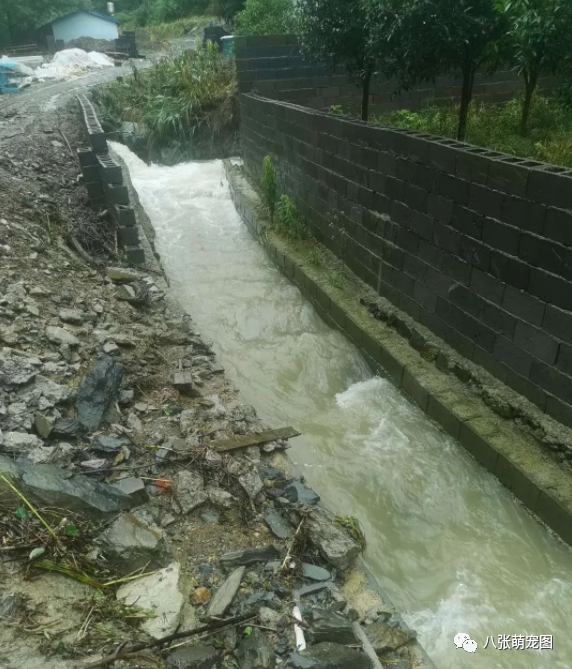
pixel 131 543
pixel 250 556
pixel 159 593
pixel 255 652
pixel 97 391
pixel 194 657
pixel 385 638
pixel 335 545
pixel 61 336
pixel 278 526
pixel 331 626
pixel 189 489
pixel 225 594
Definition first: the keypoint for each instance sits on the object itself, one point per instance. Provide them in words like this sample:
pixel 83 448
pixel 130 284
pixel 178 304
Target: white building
pixel 84 23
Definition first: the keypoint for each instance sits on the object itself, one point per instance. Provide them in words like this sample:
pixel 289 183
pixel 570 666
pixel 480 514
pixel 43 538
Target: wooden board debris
pixel 244 440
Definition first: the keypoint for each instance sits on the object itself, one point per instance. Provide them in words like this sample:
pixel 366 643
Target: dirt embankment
pixel 121 520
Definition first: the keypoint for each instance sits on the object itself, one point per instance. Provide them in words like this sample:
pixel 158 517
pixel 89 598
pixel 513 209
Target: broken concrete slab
pixel 225 594
pixel 159 593
pixel 97 391
pixel 189 490
pixel 131 543
pixel 335 545
pixel 185 384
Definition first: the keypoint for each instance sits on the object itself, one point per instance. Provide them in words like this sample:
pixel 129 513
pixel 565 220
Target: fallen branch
pixel 66 141
pixel 292 544
pixel 220 624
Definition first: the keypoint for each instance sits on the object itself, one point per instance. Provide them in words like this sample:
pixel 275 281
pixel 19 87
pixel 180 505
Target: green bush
pixel 188 100
pixel 266 17
pixel 289 218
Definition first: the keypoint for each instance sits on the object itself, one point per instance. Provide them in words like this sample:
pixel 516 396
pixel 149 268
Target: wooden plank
pixel 243 440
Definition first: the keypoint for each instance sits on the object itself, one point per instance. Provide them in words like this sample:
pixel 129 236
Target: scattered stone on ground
pixel 97 391
pixel 385 638
pixel 332 626
pixel 329 656
pixel 277 524
pixel 132 543
pixel 189 489
pixel 255 652
pixel 160 594
pixel 225 594
pixel 250 556
pixel 194 657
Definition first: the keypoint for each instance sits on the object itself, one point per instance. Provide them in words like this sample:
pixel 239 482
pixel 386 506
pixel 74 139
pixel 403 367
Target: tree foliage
pixel 266 17
pixel 419 40
pixel 16 18
pixel 338 33
pixel 539 38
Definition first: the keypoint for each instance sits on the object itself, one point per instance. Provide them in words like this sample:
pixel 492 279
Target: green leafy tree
pixel 227 9
pixel 266 17
pixel 540 39
pixel 419 40
pixel 336 32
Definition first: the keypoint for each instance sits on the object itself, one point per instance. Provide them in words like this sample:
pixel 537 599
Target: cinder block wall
pixel 473 244
pixel 272 65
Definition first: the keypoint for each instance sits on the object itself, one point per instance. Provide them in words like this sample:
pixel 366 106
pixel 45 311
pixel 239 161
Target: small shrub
pixel 266 17
pixel 288 217
pixel 268 184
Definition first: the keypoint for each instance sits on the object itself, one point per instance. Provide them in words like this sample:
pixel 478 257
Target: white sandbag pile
pixel 71 63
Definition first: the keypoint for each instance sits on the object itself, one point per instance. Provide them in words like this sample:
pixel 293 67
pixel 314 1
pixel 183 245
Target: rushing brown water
pixel 454 550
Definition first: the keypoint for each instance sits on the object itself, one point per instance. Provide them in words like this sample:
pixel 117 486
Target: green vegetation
pixel 269 187
pixel 289 219
pixel 185 103
pixel 18 18
pixel 415 41
pixel 338 33
pixel 497 127
pixel 266 17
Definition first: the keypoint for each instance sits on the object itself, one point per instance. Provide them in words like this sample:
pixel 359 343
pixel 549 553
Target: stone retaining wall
pixel 103 178
pixel 473 244
pixel 273 66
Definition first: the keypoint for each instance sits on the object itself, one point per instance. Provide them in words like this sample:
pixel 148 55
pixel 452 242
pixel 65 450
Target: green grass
pixel 185 103
pixel 495 126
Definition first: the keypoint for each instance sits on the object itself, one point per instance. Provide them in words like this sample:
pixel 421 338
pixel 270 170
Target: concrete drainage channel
pixel 108 187
pixel 104 183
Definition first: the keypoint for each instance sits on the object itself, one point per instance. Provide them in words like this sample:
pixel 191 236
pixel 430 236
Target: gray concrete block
pixel 441 413
pixel 135 255
pixel 473 437
pixel 128 236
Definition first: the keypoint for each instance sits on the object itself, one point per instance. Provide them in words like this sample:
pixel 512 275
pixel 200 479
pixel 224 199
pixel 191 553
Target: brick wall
pixel 273 66
pixel 475 245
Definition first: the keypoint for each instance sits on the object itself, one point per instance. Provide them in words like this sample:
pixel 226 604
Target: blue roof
pixel 105 17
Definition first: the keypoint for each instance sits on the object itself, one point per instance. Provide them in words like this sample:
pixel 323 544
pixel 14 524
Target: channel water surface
pixel 453 549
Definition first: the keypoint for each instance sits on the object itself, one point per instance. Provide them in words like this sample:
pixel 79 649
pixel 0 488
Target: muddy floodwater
pixel 453 549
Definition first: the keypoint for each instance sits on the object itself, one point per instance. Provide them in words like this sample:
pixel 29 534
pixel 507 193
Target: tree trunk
pixel 365 99
pixel 530 83
pixel 466 97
